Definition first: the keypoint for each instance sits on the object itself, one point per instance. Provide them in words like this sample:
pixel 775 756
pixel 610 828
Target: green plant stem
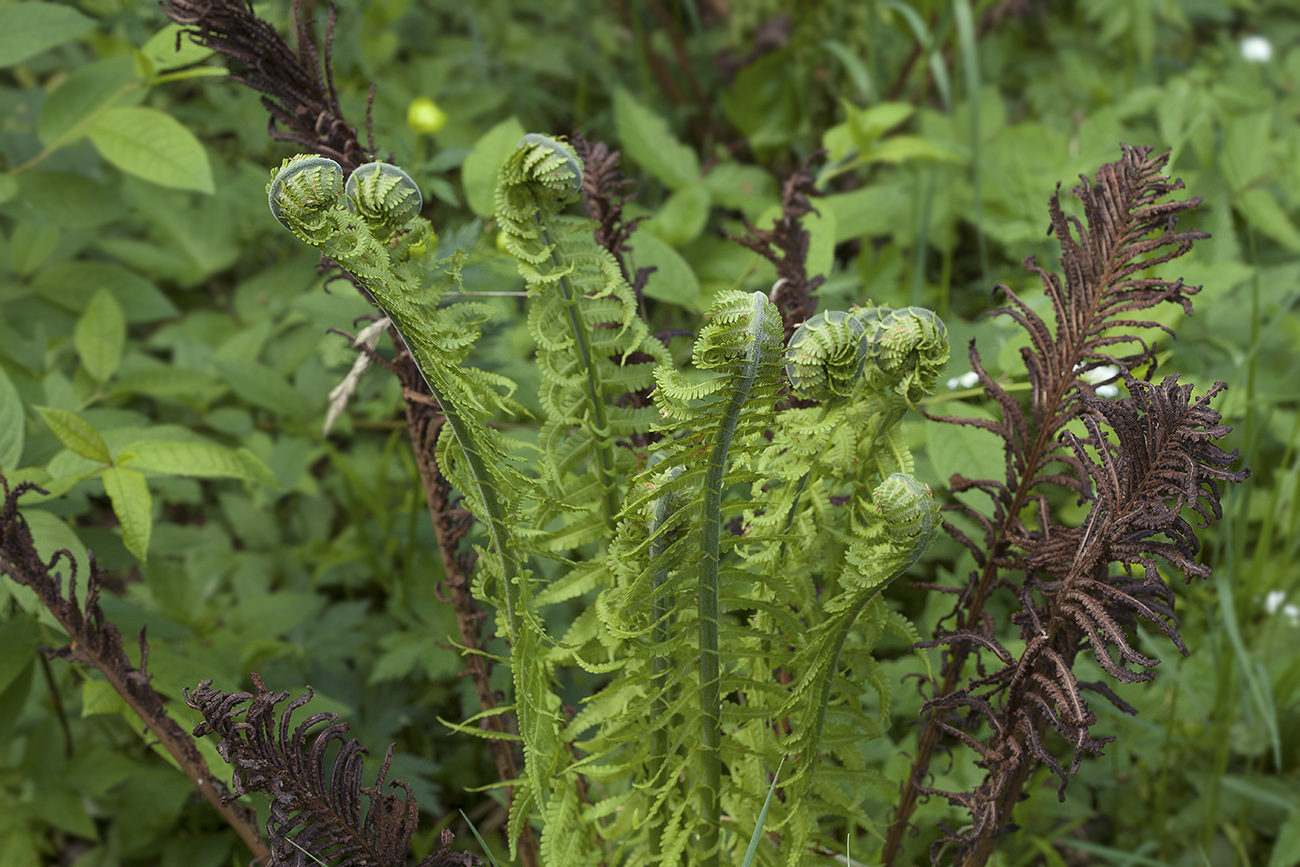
pixel 600 430
pixel 710 544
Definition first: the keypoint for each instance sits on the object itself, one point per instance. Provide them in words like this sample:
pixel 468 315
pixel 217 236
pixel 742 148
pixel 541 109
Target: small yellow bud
pixel 501 242
pixel 424 115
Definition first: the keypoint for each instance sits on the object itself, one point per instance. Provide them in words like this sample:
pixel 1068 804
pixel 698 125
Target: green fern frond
pixel 584 320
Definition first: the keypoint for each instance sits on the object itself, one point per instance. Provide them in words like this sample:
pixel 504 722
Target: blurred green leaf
pixel 101 335
pixel 1286 848
pixel 64 199
pixel 13 424
pixel 27 29
pixel 84 92
pixel 152 145
pixel 260 386
pixel 198 460
pixel 1262 211
pixel 866 125
pixel 18 640
pixel 31 245
pixel 479 171
pixel 133 505
pixel 71 285
pixel 682 216
pixel 77 434
pixel 647 140
pixel 99 697
pixel 673 280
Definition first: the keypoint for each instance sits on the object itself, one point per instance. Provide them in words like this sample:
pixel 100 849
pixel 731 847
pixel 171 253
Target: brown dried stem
pixel 97 643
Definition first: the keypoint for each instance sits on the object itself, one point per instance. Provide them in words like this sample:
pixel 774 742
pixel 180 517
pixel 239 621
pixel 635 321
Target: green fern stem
pixel 494 517
pixel 600 428
pixel 709 607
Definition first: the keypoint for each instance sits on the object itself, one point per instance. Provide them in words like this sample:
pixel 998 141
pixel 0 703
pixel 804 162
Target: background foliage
pixel 145 291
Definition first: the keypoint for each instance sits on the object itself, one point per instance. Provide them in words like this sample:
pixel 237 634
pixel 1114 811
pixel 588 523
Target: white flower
pixel 1101 374
pixel 1273 604
pixel 966 380
pixel 1256 49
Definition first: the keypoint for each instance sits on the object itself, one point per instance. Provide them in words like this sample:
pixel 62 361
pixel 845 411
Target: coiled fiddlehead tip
pixel 826 355
pixel 305 183
pixel 907 349
pixel 560 167
pixel 383 193
pixel 907 506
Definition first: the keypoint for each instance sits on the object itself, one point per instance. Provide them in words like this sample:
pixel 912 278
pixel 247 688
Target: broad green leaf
pixel 64 199
pixel 875 210
pixel 970 451
pixel 261 386
pixel 72 284
pixel 822 227
pixel 746 188
pixel 765 102
pixel 13 424
pixel 8 188
pixel 153 145
pixel 30 245
pixel 76 434
pixel 133 505
pixel 682 216
pixel 673 280
pixel 1286 848
pixel 902 148
pixel 199 460
pixel 868 124
pixel 18 640
pixel 81 94
pixel 648 141
pixel 161 50
pixel 1263 212
pixel 100 335
pixel 168 381
pixel 479 171
pixel 98 696
pixel 27 29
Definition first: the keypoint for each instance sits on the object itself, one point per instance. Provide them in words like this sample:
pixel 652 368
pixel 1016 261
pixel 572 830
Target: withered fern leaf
pixel 1161 459
pixel 316 816
pixel 303 103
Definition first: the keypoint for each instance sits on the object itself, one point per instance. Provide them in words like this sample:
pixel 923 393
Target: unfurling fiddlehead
pixel 584 319
pixel 836 516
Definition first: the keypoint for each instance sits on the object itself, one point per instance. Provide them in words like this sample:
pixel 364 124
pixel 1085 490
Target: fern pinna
pixel 726 575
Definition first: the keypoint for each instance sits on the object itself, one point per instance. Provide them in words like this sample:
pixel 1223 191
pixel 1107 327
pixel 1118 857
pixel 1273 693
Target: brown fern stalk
pixel 304 109
pixel 1163 460
pixel 303 103
pixel 316 817
pixel 97 643
pixel 786 244
pixel 1096 307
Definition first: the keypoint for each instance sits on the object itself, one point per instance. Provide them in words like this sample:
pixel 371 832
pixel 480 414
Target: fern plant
pixel 715 611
